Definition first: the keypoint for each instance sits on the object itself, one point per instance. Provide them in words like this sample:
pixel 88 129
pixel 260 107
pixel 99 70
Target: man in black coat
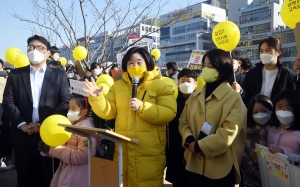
pixel 33 93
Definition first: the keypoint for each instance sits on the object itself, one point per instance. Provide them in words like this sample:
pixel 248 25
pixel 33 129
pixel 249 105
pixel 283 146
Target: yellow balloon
pixel 52 134
pixel 105 87
pixel 21 61
pixel 104 78
pixel 226 35
pixel 11 54
pixel 290 13
pixel 79 53
pixel 155 53
pixel 63 61
pixel 171 84
pixel 201 83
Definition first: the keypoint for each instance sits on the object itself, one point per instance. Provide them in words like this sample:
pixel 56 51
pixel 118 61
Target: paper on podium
pixel 93 132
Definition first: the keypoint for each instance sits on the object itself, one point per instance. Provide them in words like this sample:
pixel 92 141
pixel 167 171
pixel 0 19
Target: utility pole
pixel 197 36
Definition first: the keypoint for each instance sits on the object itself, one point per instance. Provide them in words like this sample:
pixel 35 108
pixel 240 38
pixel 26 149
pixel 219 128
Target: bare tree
pixel 82 21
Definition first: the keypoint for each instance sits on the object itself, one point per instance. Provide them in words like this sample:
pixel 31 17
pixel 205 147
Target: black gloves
pixel 43 147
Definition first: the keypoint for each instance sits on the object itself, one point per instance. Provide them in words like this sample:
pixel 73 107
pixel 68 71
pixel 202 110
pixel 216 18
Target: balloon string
pixel 232 66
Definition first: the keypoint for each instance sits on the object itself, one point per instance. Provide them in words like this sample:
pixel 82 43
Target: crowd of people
pixel 203 137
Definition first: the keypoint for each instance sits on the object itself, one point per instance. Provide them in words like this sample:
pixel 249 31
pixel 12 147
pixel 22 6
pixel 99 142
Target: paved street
pixel 9 179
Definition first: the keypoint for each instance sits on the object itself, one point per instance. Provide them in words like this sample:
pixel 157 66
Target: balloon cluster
pixel 14 56
pixel 106 82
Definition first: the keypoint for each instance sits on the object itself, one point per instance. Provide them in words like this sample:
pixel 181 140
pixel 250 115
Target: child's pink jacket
pixel 73 168
pixel 287 140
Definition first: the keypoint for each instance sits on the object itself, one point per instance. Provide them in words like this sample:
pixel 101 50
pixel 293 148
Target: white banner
pixel 76 87
pixel 195 62
pixel 275 170
pixel 143 42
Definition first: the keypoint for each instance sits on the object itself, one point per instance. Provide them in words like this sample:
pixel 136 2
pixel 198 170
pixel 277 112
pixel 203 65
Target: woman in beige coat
pixel 214 154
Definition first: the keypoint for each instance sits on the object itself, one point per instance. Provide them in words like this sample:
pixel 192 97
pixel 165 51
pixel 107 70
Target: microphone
pixel 135 80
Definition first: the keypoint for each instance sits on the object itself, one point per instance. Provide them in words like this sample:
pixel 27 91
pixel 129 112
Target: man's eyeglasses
pixel 39 48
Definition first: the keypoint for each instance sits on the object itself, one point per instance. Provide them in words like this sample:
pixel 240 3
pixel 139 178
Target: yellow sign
pixel 195 62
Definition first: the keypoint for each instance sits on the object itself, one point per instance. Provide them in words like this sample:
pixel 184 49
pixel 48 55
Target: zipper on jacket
pixel 144 95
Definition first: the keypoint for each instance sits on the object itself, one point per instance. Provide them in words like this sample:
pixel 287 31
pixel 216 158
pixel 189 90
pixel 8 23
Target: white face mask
pixel 261 118
pixel 266 58
pixel 285 117
pixel 186 88
pixel 97 71
pixel 73 116
pixel 167 74
pixel 35 57
pixel 56 57
pixel 70 75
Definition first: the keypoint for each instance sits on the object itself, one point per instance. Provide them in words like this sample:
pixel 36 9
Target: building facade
pixel 257 21
pixel 178 37
pixel 113 42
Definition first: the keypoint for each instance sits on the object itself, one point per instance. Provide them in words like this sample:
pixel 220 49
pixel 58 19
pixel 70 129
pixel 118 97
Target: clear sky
pixel 14 33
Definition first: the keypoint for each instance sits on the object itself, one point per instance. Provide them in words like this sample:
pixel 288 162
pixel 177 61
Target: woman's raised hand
pixel 93 89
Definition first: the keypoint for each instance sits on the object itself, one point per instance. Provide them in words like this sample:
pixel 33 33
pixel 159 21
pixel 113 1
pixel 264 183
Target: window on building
pixel 255 16
pixel 143 29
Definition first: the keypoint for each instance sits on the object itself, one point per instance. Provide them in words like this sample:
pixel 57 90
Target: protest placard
pixel 76 87
pixel 195 62
pixel 275 170
pixel 116 74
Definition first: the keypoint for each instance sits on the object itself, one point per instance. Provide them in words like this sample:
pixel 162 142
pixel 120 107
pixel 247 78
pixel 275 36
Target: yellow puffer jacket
pixel 143 164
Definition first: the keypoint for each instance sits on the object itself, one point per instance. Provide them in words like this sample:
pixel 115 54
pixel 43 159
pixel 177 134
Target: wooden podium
pixel 102 172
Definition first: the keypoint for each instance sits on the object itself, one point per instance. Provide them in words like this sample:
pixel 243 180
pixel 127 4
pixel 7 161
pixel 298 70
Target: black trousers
pixel 202 181
pixel 33 170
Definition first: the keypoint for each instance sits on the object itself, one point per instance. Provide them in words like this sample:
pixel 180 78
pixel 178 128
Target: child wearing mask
pixel 176 173
pixel 73 168
pixel 284 136
pixel 258 123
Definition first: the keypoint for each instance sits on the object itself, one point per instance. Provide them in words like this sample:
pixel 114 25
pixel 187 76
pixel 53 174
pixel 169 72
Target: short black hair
pixel 293 98
pixel 54 49
pixel 150 64
pixel 222 61
pixel 94 65
pixel 39 38
pixel 54 63
pixel 82 102
pixel 272 43
pixel 112 67
pixel 187 72
pixel 262 99
pixel 246 64
pixel 1 62
pixel 237 55
pixel 172 65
